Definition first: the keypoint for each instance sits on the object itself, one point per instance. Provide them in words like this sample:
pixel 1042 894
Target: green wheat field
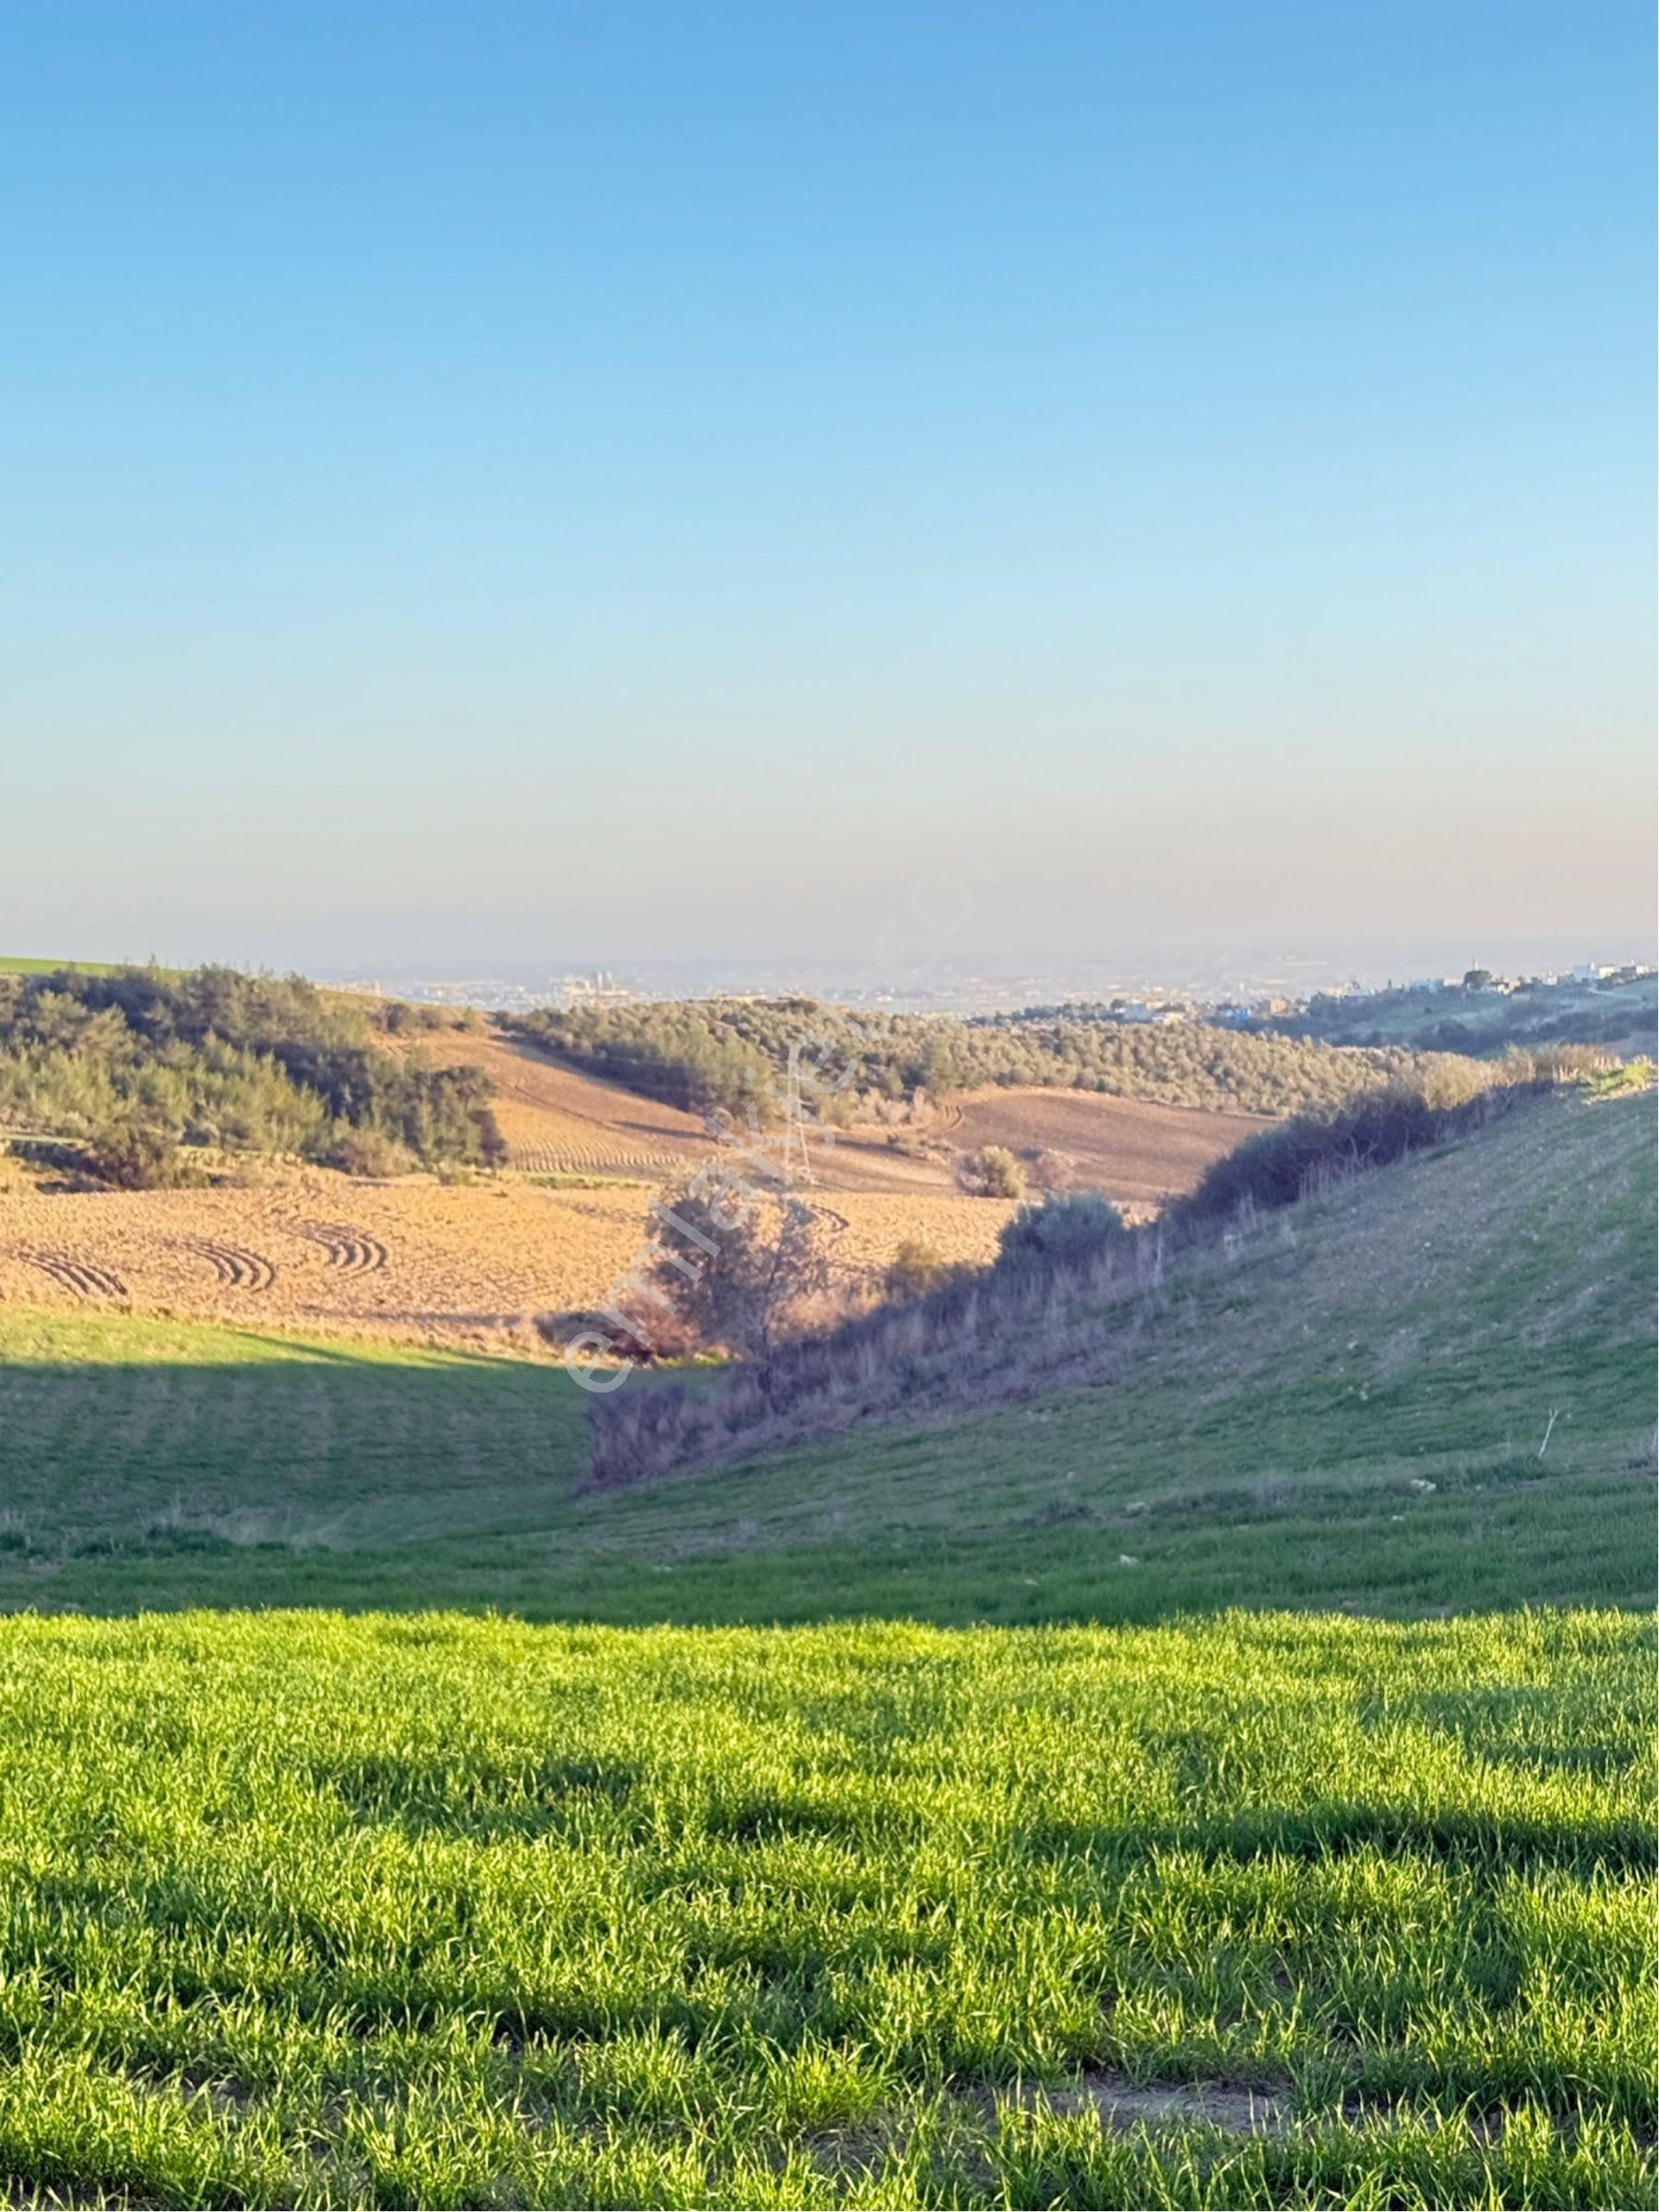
pixel 426 1910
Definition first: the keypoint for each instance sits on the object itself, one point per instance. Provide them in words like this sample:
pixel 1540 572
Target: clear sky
pixel 612 478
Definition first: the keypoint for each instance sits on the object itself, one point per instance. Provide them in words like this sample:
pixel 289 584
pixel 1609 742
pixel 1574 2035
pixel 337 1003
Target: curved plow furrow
pixel 352 1250
pixel 81 1277
pixel 236 1268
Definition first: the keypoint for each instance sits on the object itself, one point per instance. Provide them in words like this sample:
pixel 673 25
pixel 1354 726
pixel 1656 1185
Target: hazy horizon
pixel 929 963
pixel 613 484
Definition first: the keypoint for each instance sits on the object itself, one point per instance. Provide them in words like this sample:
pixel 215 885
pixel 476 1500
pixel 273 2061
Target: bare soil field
pixel 557 1120
pixel 1139 1154
pixel 473 1263
pixel 476 1262
pixel 469 1264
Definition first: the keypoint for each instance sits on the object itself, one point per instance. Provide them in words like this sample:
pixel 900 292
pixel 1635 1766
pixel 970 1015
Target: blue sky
pixel 609 479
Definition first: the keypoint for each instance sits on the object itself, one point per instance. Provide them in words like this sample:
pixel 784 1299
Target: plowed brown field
pixel 474 1263
pixel 1138 1154
pixel 469 1264
pixel 557 1120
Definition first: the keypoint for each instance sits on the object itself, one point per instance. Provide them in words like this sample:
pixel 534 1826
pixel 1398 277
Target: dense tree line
pixel 733 1055
pixel 693 1057
pixel 137 1063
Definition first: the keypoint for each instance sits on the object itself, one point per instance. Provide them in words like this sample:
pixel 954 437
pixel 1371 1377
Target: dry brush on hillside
pixel 1070 1286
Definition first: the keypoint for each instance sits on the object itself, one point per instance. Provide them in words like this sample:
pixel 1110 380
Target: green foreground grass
pixel 311 1910
pixel 1281 1906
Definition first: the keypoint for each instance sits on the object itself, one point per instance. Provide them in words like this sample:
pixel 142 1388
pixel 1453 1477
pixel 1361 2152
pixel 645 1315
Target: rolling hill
pixel 11 964
pixel 1133 1898
pixel 560 1120
pixel 1349 1412
pixel 1135 1151
pixel 1623 1018
pixel 564 1121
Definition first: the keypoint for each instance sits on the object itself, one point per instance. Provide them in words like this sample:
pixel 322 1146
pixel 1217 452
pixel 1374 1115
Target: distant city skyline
pixel 728 477
pixel 967 984
pixel 985 975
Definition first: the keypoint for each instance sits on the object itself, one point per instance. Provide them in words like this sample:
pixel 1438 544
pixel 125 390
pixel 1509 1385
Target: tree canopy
pixel 142 1060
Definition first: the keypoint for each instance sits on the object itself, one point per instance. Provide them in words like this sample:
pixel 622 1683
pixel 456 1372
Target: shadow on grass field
pixel 429 1912
pixel 1349 1416
pixel 1276 1907
pixel 1129 1541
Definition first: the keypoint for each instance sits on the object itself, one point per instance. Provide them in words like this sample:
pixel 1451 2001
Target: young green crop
pixel 437 1911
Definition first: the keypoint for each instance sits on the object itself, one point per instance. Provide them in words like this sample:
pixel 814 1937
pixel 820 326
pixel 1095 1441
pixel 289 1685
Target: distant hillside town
pixel 1339 1012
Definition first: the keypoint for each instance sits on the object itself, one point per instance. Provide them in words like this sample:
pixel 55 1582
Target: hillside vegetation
pixel 1346 1409
pixel 136 1063
pixel 1484 1021
pixel 732 1054
pixel 1072 1282
pixel 1291 1908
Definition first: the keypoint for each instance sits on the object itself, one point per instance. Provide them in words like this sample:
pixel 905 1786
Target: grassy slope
pixel 1258 1910
pixel 1348 1414
pixel 11 966
pixel 445 1912
pixel 1493 1019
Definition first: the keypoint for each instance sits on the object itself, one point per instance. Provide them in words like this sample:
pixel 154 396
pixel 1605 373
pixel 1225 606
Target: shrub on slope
pixel 1311 1149
pixel 1066 1293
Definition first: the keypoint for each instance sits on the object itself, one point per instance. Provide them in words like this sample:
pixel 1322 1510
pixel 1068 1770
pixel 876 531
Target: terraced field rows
pixel 599 1159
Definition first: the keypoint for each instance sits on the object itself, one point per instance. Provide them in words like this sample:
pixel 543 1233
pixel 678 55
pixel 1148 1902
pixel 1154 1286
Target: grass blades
pixel 437 1911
